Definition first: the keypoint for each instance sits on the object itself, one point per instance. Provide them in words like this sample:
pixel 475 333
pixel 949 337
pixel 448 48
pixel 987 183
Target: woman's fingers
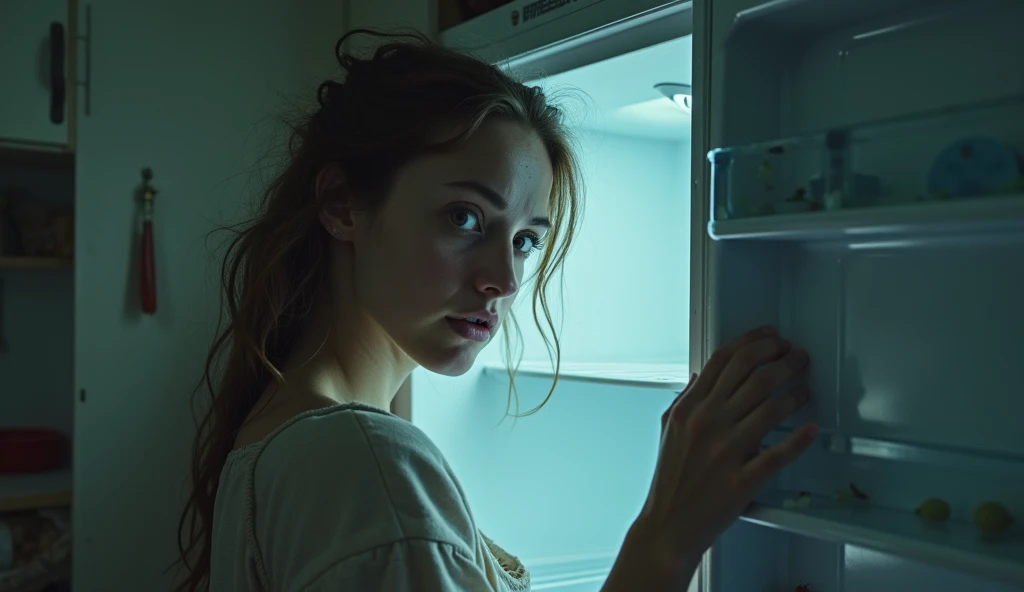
pixel 689 383
pixel 707 444
pixel 762 383
pixel 668 412
pixel 752 429
pixel 744 363
pixel 772 460
pixel 719 360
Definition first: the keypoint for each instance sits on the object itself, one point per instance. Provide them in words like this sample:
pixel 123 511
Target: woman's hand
pixel 709 467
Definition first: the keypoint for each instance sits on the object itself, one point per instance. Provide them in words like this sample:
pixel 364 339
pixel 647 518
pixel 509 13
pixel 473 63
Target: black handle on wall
pixel 57 90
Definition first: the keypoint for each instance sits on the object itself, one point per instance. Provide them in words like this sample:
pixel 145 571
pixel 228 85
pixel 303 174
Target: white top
pixel 350 498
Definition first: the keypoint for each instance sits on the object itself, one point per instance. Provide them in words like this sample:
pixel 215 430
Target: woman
pixel 396 237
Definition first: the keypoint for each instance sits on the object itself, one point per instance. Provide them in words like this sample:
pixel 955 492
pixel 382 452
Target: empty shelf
pixel 660 376
pixel 953 216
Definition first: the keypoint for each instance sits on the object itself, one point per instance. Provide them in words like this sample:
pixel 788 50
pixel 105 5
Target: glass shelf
pixel 955 544
pixel 570 572
pixel 960 158
pixel 658 376
pixel 799 17
pixel 898 476
pixel 954 459
pixel 994 214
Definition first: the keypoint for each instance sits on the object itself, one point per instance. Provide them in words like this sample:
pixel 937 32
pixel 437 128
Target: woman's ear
pixel 337 213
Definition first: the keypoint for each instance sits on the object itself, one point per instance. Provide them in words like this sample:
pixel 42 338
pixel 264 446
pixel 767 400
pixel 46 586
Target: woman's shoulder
pixel 351 448
pixel 344 428
pixel 347 479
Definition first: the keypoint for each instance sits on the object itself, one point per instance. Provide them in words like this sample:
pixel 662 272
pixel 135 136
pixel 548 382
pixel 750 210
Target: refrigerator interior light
pixel 680 94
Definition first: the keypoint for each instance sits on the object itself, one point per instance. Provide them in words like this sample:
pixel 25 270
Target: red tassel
pixel 148 269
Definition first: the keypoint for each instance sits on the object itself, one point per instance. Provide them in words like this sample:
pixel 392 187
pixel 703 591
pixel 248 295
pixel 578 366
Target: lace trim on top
pixel 513 572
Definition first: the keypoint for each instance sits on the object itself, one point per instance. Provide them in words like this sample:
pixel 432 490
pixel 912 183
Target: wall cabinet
pixel 194 92
pixel 35 57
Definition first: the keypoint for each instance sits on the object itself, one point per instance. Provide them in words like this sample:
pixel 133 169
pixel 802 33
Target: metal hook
pixel 147 192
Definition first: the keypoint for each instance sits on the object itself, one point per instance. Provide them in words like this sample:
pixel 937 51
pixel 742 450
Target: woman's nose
pixel 497 277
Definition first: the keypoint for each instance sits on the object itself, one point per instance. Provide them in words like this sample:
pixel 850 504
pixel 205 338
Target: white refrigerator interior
pixel 559 488
pixel 868 199
pixel 864 192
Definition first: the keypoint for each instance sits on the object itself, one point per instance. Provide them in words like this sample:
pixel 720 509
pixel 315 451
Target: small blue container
pixel 974 167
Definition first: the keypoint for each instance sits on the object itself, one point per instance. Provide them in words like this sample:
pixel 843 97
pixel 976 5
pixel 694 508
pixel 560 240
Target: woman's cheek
pixel 436 263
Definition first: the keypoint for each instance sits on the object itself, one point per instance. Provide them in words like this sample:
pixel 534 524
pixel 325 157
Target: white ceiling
pixel 618 94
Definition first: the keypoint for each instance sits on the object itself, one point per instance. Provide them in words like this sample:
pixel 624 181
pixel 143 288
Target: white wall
pixel 626 290
pixel 571 478
pixel 193 91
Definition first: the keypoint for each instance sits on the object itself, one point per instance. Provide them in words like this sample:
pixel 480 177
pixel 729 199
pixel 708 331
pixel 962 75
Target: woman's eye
pixel 464 219
pixel 527 243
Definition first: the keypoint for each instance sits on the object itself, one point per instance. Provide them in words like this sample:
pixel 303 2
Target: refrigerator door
pixel 866 196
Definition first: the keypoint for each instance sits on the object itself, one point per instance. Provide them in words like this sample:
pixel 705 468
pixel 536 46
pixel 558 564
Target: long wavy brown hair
pixel 380 115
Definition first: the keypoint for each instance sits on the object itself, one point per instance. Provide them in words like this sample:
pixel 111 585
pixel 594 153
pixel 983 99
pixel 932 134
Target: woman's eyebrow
pixel 496 199
pixel 484 191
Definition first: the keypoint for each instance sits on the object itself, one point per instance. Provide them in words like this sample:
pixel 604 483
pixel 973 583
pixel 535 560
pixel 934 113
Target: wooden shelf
pixel 658 376
pixel 36 263
pixel 36 155
pixel 51 489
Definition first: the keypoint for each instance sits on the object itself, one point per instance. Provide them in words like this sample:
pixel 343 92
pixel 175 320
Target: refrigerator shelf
pixel 800 19
pixel 954 459
pixel 961 152
pixel 561 572
pixel 657 376
pixel 955 545
pixel 968 216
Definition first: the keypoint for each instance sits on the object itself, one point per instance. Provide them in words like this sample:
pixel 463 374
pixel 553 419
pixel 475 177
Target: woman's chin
pixel 451 362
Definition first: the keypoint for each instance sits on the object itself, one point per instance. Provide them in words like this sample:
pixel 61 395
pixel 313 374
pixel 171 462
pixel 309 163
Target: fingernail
pixel 800 354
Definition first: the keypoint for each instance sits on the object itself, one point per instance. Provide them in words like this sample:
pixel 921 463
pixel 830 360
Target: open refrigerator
pixel 852 173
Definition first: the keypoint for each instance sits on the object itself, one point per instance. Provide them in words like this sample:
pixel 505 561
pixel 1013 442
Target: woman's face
pixel 440 263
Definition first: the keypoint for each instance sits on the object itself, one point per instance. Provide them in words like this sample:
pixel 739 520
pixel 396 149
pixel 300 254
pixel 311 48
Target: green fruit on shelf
pixel 934 510
pixel 842 497
pixel 992 518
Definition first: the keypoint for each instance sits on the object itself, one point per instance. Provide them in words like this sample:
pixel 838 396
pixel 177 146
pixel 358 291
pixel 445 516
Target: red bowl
pixel 31 450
